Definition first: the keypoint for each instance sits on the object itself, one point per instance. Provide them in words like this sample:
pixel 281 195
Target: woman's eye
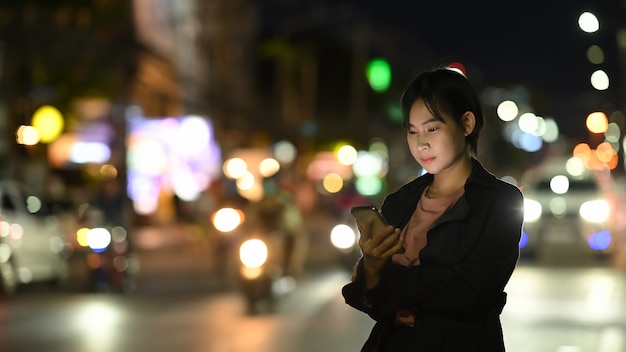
pixel 411 132
pixel 432 129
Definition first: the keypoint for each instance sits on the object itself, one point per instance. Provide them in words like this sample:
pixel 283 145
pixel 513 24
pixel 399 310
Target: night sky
pixel 536 44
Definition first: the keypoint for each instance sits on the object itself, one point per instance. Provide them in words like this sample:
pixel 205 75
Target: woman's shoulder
pixel 486 182
pixel 507 188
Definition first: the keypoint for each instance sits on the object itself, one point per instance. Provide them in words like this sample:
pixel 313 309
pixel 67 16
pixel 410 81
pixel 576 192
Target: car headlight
pixel 253 253
pixel 98 239
pixel 594 210
pixel 343 237
pixel 532 210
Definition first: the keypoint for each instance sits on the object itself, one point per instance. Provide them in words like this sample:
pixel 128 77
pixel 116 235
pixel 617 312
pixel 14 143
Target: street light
pixel 588 22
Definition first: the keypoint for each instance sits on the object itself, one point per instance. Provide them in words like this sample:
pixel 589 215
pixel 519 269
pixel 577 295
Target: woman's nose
pixel 422 143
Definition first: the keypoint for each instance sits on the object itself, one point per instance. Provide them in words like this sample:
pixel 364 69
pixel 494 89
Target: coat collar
pixel 407 197
pixel 479 175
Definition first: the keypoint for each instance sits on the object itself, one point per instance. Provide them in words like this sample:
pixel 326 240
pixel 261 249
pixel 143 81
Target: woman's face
pixel 435 145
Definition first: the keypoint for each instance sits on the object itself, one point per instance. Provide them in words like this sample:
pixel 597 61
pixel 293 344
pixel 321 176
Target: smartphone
pixel 362 213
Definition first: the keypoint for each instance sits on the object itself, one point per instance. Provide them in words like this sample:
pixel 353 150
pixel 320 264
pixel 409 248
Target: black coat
pixel 457 291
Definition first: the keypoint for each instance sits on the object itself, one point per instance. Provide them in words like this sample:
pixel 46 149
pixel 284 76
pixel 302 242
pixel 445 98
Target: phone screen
pixel 363 213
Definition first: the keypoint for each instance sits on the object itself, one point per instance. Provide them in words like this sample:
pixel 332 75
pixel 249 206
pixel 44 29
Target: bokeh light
pixel 605 152
pixel 582 151
pixel 253 253
pixel 369 185
pixel 98 239
pixel 600 240
pixel 246 181
pixel 269 167
pixel 285 152
pixel 378 146
pixel 90 152
pixel 378 74
pixel 147 155
pixel 192 136
pixel 347 154
pixel 558 206
pixel 588 22
pixel 108 171
pixel 507 110
pixel 597 122
pixel 235 168
pixel 81 236
pixel 49 123
pixel 342 236
pixel 185 186
pixel 624 147
pixel 367 164
pixel 528 123
pixel 551 133
pixel 612 133
pixel 559 184
pixel 332 183
pixel 27 135
pixel 600 80
pixel 526 141
pixel 595 54
pixel 168 156
pixel 575 166
pixel 227 219
pixel 325 163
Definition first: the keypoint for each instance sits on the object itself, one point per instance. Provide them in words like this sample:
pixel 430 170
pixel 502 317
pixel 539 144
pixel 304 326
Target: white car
pixel 565 219
pixel 31 244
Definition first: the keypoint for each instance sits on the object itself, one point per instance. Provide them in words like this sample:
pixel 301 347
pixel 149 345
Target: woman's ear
pixel 469 122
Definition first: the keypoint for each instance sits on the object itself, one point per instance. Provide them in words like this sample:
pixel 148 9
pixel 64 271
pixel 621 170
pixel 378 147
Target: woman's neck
pixel 450 180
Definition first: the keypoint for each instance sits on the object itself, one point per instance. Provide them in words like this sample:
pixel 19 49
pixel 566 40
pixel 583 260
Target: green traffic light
pixel 378 74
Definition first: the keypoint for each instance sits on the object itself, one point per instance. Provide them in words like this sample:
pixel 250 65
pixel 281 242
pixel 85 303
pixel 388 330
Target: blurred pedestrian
pixel 113 202
pixel 118 264
pixel 459 227
pixel 280 211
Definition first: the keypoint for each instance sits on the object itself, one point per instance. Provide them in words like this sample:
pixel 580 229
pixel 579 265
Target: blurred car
pixel 32 245
pixel 565 219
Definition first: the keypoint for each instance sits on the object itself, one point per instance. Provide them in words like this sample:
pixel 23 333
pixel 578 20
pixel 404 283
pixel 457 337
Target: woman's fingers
pixel 371 238
pixel 382 244
pixel 391 244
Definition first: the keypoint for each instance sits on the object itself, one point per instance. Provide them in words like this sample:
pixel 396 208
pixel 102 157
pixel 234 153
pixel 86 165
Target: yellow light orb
pixel 332 183
pixel 49 123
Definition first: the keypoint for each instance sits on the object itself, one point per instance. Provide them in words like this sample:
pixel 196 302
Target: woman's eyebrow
pixel 431 120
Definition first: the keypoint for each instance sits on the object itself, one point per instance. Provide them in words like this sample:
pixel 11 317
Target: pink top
pixel 423 219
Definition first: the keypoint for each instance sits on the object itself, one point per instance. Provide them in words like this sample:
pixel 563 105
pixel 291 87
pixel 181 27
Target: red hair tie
pixel 457 67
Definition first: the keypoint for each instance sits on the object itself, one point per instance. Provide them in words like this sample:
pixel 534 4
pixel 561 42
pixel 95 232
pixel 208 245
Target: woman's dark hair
pixel 445 92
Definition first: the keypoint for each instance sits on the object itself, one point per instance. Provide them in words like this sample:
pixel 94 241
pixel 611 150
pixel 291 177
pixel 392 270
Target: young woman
pixel 434 279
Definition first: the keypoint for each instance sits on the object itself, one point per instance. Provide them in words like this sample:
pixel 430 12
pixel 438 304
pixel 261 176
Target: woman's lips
pixel 427 160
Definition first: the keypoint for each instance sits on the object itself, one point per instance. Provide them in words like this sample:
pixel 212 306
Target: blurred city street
pixel 144 144
pixel 180 304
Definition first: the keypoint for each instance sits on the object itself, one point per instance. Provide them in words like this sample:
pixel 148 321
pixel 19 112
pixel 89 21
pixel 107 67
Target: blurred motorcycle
pixel 255 274
pixel 258 271
pixel 108 256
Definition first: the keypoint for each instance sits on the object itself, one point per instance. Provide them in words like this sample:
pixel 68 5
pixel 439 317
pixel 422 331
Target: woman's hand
pixel 377 248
